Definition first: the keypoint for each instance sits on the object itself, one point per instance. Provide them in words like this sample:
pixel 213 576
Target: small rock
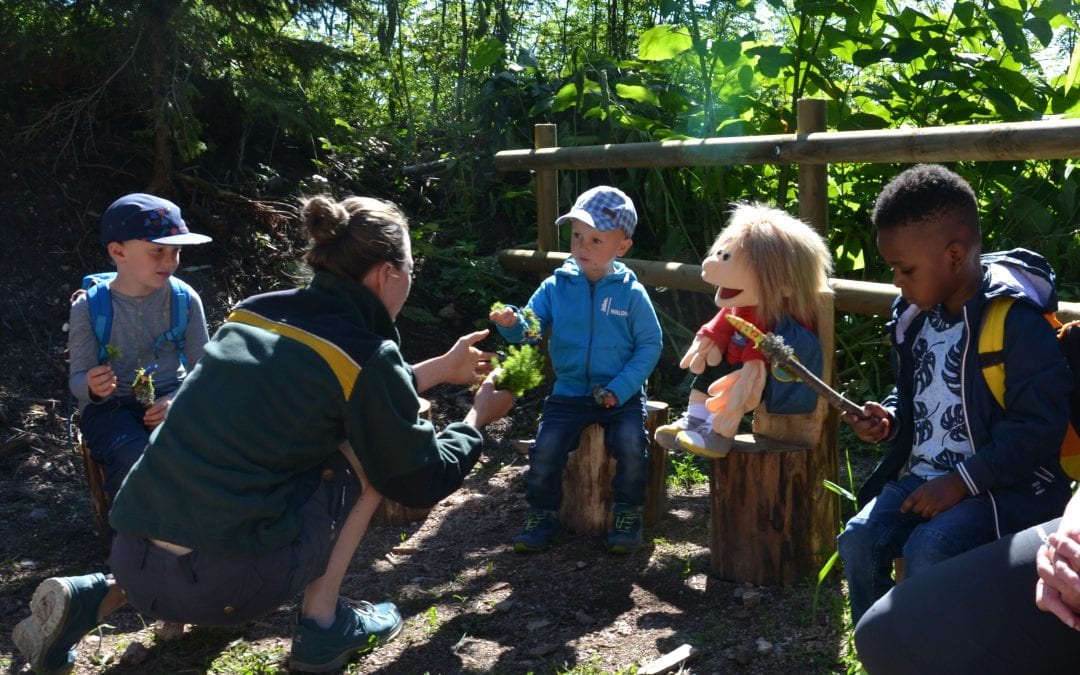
pixel 752 598
pixel 537 625
pixel 763 646
pixel 135 654
pixel 583 618
pixel 167 631
pixel 744 656
pixel 697 582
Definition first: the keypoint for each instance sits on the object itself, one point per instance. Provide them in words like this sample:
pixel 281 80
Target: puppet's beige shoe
pixel 704 442
pixel 666 435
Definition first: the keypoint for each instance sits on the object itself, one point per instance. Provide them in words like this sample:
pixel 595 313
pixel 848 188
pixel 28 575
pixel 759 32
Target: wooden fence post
pixel 547 191
pixel 824 460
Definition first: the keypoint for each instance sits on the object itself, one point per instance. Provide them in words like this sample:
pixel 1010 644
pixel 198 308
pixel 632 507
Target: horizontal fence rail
pixel 856 297
pixel 1054 139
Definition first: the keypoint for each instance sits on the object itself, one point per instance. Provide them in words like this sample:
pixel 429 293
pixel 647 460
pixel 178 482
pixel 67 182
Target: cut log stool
pixel 390 512
pixel 772 520
pixel 99 499
pixel 587 491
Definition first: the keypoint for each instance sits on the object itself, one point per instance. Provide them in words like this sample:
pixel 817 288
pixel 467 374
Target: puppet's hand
pixel 702 352
pixel 734 395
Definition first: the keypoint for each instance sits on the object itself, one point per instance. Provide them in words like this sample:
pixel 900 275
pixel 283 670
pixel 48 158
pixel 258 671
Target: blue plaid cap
pixel 605 208
pixel 149 218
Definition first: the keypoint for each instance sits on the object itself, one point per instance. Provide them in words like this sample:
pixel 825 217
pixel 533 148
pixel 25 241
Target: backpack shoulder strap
pixel 992 346
pixel 181 303
pixel 99 302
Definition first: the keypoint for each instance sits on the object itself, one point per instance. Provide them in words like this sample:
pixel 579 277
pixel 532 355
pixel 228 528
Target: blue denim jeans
pixel 114 431
pixel 880 532
pixel 563 420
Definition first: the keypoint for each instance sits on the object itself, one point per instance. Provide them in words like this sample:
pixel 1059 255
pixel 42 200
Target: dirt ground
pixel 471 604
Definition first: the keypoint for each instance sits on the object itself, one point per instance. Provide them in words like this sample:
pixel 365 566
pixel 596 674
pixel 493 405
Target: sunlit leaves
pixel 663 42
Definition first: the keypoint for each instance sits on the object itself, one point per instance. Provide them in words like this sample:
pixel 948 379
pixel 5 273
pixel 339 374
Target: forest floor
pixel 471 604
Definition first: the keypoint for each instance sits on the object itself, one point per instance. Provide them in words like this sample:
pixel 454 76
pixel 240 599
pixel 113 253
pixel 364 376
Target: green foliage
pixel 113 353
pixel 687 470
pixel 522 369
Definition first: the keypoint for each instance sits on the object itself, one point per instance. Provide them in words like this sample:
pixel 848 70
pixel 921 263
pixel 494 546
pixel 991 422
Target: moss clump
pixel 142 388
pixel 522 369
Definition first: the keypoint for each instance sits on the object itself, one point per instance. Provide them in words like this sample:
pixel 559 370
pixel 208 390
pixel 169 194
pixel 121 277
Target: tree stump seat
pixel 99 499
pixel 772 520
pixel 587 492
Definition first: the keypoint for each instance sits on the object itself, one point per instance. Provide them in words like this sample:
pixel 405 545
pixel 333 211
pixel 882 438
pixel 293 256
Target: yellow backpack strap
pixel 992 346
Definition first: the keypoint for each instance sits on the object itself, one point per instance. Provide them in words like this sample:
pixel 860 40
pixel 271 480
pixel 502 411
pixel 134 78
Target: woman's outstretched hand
pixel 463 363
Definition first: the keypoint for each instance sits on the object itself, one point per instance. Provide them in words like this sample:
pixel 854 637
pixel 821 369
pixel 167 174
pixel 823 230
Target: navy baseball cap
pixel 605 208
pixel 149 218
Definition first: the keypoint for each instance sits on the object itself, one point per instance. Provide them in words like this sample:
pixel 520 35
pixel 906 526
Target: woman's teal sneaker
pixel 357 626
pixel 62 611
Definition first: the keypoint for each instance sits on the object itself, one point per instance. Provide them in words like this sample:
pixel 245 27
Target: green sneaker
pixel 625 533
pixel 318 650
pixel 540 528
pixel 62 611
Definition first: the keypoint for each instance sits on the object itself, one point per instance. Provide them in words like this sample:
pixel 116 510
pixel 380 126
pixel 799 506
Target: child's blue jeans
pixel 113 429
pixel 880 532
pixel 563 420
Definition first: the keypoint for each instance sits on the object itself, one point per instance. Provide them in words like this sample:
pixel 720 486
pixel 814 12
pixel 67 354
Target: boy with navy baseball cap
pixel 140 319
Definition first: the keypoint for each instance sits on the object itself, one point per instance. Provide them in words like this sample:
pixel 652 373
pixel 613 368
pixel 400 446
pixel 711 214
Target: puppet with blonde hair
pixel 769 269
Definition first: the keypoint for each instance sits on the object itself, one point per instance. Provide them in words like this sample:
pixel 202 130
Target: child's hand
pixel 101 381
pixel 155 414
pixel 505 317
pixel 935 496
pixel 604 398
pixel 873 426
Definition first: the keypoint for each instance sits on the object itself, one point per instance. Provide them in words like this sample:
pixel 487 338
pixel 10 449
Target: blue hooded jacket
pixel 604 334
pixel 1016 449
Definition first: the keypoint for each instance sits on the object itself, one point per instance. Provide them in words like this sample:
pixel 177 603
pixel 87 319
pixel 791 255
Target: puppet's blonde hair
pixel 790 259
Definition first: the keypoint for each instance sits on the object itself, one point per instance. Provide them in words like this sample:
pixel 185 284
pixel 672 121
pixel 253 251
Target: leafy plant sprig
pixel 112 353
pixel 532 322
pixel 522 369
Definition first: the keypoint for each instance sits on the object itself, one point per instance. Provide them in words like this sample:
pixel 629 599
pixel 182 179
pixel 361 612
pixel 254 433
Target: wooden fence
pixel 812 149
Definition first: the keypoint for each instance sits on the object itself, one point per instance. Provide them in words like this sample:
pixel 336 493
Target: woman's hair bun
pixel 325 218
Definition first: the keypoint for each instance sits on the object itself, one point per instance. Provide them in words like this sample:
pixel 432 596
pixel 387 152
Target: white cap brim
pixel 580 214
pixel 188 239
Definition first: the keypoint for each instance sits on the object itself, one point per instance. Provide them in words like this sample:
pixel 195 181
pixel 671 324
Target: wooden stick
pixel 783 357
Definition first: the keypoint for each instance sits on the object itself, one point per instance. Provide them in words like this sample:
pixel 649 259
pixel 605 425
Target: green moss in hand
pixel 522 369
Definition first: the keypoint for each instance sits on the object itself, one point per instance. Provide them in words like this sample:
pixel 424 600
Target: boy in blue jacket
pixel 604 341
pixel 961 470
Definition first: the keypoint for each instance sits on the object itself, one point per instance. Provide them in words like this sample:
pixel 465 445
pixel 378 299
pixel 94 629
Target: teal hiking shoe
pixel 357 626
pixel 665 435
pixel 625 533
pixel 540 528
pixel 62 611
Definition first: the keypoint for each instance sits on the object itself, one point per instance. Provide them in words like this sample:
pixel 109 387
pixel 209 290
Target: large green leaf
pixel 636 92
pixel 486 54
pixel 662 43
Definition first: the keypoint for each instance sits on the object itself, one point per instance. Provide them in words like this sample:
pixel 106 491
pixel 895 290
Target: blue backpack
pixel 100 304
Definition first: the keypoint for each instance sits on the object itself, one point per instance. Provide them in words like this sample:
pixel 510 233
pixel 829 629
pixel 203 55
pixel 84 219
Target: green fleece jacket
pixel 284 381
